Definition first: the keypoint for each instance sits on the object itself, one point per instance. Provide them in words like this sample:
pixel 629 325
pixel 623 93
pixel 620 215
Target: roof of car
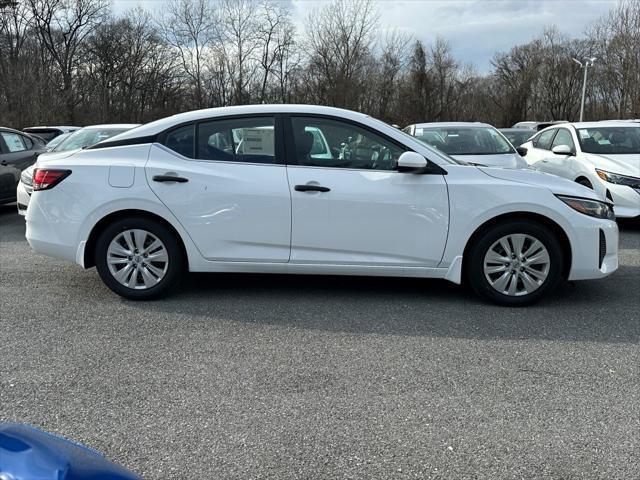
pixel 12 130
pixel 59 127
pixel 112 125
pixel 158 126
pixel 452 124
pixel 619 123
pixel 600 124
pixel 518 130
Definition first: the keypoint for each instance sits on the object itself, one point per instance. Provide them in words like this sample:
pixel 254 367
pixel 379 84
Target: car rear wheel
pixel 139 258
pixel 515 263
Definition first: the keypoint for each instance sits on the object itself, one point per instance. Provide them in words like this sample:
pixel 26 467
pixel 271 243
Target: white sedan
pixel 179 194
pixel 603 156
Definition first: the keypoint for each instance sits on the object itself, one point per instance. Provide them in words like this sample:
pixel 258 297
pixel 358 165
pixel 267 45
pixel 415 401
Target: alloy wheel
pixel 517 264
pixel 137 259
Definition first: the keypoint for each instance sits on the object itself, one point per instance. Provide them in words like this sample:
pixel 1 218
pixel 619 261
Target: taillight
pixel 46 178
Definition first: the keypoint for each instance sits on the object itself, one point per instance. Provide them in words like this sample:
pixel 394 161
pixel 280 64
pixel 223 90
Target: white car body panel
pixel 626 200
pixel 233 211
pixel 242 217
pixel 338 226
pixel 504 160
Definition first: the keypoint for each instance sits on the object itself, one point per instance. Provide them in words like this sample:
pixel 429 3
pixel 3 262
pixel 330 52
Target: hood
pixel 504 160
pixel 624 164
pixel 557 185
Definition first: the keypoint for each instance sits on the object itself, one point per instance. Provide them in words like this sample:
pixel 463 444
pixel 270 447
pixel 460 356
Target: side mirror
pixel 412 162
pixel 562 150
pixel 521 151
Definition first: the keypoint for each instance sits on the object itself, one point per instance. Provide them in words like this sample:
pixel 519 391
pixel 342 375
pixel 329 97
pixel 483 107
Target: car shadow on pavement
pixel 418 307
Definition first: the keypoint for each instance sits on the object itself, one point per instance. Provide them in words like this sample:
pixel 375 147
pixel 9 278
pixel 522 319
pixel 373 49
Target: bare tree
pixel 340 40
pixel 63 25
pixel 189 27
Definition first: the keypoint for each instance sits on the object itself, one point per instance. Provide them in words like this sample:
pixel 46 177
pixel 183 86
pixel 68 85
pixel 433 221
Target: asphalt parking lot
pixel 256 376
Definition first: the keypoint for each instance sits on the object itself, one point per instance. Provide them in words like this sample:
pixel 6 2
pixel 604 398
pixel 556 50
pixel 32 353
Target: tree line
pixel 76 62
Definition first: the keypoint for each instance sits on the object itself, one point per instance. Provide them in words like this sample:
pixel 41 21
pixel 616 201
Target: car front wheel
pixel 515 263
pixel 139 258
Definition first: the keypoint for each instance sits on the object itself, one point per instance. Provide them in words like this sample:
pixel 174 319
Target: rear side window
pixel 181 140
pixel 13 141
pixel 250 140
pixel 544 139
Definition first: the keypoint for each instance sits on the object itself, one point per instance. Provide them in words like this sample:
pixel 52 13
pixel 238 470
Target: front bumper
pixel 23 195
pixel 626 200
pixel 594 250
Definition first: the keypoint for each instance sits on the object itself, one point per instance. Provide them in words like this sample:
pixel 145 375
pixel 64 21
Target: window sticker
pixel 584 134
pixel 14 144
pixel 604 141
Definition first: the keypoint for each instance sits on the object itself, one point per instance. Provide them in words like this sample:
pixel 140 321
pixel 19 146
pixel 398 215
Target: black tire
pixel 584 182
pixel 474 266
pixel 176 261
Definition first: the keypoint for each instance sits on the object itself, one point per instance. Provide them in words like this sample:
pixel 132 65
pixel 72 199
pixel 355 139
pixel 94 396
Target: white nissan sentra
pixel 311 190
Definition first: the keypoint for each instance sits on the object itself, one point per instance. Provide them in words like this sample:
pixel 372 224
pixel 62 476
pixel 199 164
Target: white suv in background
pixel 603 156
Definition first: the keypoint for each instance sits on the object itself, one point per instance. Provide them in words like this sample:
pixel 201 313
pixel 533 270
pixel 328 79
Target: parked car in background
pixel 537 126
pixel 603 156
pixel 517 136
pixel 18 151
pixel 49 133
pixel 472 142
pixel 171 196
pixel 82 138
pixel 56 141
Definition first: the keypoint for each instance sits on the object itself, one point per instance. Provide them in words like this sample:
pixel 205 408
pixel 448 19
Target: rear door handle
pixel 311 188
pixel 169 178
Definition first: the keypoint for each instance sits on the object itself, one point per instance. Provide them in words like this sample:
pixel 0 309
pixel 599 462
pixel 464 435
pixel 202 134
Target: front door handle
pixel 169 178
pixel 311 188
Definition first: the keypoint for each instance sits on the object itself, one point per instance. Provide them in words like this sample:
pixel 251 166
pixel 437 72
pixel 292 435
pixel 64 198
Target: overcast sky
pixel 476 29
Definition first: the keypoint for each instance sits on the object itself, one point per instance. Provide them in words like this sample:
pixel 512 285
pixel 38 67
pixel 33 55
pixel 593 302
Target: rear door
pixel 351 206
pixel 226 182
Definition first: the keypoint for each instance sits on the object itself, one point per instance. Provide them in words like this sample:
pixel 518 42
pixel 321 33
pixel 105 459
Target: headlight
pixel 593 208
pixel 618 179
pixel 26 177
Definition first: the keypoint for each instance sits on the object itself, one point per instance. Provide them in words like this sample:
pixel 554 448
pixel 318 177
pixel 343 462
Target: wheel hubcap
pixel 516 264
pixel 137 259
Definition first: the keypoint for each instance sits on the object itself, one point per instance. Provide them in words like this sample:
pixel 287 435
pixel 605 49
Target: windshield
pixel 465 140
pixel 57 140
pixel 517 137
pixel 86 137
pixel 610 140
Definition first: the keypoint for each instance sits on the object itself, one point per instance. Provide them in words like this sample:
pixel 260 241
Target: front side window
pixel 465 140
pixel 610 140
pixel 250 140
pixel 323 142
pixel 13 141
pixel 563 138
pixel 544 139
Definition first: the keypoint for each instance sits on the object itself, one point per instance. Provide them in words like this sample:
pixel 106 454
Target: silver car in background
pixel 471 142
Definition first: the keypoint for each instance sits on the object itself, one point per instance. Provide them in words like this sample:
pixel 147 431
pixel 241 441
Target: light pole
pixel 588 62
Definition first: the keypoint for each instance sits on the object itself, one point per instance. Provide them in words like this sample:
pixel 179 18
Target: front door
pixel 350 204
